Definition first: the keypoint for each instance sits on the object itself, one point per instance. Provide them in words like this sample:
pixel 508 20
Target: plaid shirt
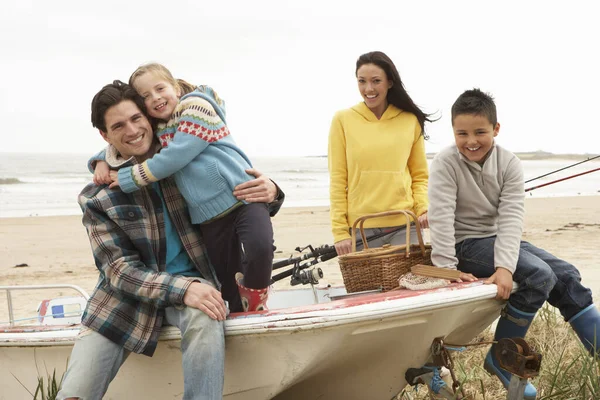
pixel 127 235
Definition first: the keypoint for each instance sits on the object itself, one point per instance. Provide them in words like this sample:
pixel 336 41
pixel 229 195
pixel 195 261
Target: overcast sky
pixel 285 67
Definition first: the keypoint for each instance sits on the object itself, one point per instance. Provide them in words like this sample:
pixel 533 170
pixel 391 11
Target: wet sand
pixel 56 249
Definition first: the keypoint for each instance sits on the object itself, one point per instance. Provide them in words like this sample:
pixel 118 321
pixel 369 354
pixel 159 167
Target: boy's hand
pixel 259 190
pixel 206 299
pixel 464 277
pixel 114 178
pixel 343 247
pixel 503 279
pixel 101 173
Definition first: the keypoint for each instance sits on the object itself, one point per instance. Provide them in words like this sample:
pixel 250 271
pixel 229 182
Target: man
pixel 153 268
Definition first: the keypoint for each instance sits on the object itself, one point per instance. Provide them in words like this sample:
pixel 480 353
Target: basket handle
pixel 406 213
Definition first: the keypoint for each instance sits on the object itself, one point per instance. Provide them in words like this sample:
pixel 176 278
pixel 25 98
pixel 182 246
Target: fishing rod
pixel 316 255
pixel 298 273
pixel 562 179
pixel 321 251
pixel 562 169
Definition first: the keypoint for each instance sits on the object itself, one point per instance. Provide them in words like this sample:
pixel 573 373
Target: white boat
pixel 313 343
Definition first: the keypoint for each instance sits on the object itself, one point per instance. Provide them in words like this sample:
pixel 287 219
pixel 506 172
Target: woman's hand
pixel 343 247
pixel 259 190
pixel 423 220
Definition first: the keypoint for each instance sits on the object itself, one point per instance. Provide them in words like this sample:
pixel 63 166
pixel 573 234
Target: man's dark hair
pixel 110 95
pixel 475 102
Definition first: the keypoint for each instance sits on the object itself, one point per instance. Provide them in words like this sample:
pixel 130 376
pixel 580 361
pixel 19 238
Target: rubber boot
pixel 252 299
pixel 512 323
pixel 586 323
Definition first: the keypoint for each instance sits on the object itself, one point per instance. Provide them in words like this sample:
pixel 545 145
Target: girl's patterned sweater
pixel 200 153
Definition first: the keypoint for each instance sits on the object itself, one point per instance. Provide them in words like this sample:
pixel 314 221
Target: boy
pixel 476 193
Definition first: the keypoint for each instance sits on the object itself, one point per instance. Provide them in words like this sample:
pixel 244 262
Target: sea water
pixel 48 184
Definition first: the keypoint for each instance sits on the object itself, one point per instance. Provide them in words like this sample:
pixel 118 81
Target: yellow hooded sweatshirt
pixel 375 165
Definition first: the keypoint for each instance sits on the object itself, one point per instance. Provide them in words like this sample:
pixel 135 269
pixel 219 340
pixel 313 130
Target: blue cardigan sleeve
pixel 101 156
pixel 198 125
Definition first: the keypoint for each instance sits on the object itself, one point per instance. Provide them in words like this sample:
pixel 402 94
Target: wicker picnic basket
pixel 380 268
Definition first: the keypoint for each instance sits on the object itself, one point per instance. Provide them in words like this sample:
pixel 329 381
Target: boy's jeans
pixel 96 360
pixel 540 275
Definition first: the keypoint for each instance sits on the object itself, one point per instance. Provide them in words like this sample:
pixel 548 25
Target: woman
pixel 377 158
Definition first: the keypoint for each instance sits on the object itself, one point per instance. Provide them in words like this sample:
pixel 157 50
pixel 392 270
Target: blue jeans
pixel 241 241
pixel 540 275
pixel 394 238
pixel 95 360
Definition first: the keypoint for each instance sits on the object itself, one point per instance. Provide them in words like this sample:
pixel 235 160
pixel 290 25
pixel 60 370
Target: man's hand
pixel 206 299
pixel 259 190
pixel 503 279
pixel 114 177
pixel 102 173
pixel 423 220
pixel 343 247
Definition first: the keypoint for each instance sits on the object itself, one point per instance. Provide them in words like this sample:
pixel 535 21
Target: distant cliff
pixel 543 155
pixel 530 155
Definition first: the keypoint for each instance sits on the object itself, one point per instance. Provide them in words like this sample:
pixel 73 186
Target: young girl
pixel 377 156
pixel 198 150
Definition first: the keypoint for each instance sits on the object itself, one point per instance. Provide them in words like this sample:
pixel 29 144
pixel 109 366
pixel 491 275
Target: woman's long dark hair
pixel 397 93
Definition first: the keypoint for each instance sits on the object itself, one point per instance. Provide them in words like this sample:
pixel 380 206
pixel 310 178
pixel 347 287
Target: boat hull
pixel 354 348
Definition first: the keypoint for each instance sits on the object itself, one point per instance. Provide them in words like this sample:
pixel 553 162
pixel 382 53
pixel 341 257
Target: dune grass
pixel 46 389
pixel 49 389
pixel 567 371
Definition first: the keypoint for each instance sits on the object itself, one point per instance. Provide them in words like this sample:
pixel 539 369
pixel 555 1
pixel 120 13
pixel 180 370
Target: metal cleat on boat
pixel 515 356
pixel 429 374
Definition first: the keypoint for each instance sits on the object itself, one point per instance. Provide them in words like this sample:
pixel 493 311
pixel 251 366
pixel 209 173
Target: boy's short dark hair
pixel 110 95
pixel 475 102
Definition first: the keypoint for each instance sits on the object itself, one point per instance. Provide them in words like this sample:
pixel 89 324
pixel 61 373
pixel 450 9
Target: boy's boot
pixel 252 299
pixel 586 323
pixel 512 323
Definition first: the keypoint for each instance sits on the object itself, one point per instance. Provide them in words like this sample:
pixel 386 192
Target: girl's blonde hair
pixel 163 72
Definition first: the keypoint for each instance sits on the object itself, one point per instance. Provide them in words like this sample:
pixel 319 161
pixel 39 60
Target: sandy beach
pixel 56 249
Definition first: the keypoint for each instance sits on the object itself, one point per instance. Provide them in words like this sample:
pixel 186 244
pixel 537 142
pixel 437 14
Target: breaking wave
pixel 10 181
